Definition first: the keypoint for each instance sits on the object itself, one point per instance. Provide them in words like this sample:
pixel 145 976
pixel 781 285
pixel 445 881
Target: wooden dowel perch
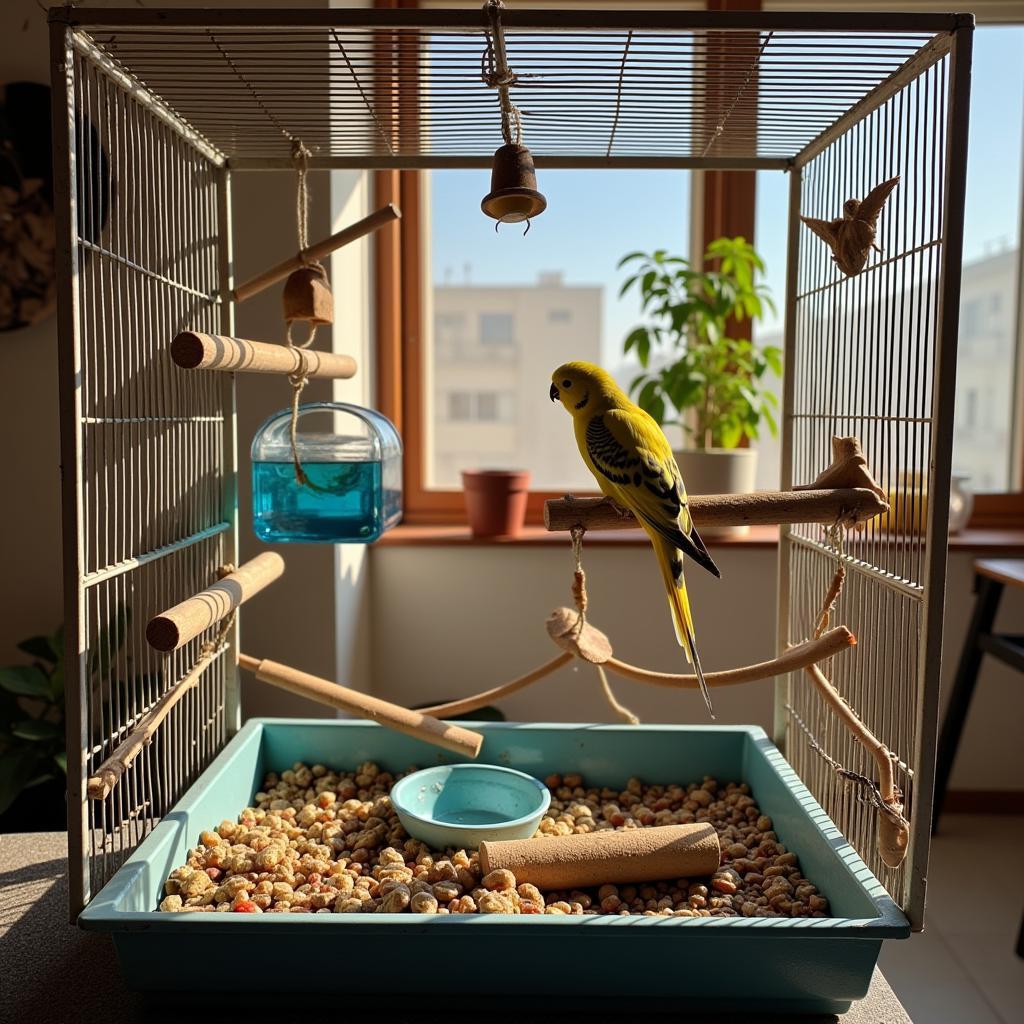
pixel 262 281
pixel 392 716
pixel 194 351
pixel 844 505
pixel 109 773
pixel 893 828
pixel 176 626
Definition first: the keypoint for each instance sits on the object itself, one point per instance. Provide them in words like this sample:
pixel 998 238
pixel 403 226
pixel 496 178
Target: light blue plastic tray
pixel 787 965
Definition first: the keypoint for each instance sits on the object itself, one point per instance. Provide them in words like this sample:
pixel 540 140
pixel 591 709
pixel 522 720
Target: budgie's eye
pixel 566 383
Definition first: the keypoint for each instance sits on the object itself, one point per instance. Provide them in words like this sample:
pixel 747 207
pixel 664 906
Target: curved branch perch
pixel 794 658
pixel 474 703
pixel 846 506
pixel 893 828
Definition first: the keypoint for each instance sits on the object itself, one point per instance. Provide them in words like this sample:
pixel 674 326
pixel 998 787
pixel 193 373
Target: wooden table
pixel 53 973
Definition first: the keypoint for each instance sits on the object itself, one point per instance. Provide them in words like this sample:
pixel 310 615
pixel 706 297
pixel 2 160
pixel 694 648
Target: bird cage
pixel 156 110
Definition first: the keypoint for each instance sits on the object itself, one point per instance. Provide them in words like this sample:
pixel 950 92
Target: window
pixel 460 407
pixel 497 328
pixel 987 425
pixel 533 302
pixel 984 438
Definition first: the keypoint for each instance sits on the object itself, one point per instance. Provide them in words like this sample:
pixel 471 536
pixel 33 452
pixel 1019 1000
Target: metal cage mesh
pixel 151 515
pixel 863 356
pixel 152 109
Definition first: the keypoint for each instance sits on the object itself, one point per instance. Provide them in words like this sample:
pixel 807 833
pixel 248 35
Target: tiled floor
pixel 962 969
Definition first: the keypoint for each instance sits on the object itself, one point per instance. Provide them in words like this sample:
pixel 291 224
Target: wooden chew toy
pixel 176 626
pixel 194 351
pixel 392 716
pixel 600 858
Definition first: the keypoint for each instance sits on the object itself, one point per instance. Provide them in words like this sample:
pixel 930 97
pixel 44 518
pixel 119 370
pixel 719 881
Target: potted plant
pixel 33 769
pixel 695 375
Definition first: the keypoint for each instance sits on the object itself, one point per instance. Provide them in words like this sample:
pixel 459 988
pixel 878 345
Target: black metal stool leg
pixel 989 591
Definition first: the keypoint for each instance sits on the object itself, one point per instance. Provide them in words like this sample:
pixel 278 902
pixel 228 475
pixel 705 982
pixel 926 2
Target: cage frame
pixel 950 38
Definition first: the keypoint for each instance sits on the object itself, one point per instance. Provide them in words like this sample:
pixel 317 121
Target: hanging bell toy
pixel 513 197
pixel 307 296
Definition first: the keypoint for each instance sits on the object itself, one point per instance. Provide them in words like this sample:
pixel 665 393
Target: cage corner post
pixel 229 455
pixel 781 692
pixel 940 464
pixel 65 201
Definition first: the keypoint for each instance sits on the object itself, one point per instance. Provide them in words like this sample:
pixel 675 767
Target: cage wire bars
pixel 155 109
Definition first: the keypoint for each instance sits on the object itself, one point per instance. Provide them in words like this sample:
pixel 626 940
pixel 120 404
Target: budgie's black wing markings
pixel 658 496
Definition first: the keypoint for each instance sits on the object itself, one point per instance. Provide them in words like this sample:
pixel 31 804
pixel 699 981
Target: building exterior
pixel 983 437
pixel 494 348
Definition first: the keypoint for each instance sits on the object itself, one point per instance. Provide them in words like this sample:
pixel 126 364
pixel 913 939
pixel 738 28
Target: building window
pixel 487 406
pixel 559 316
pixel 497 328
pixel 460 406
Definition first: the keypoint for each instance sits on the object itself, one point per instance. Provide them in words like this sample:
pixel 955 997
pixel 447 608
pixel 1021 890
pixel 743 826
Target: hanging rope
pixel 835 536
pixel 496 74
pixel 299 379
pixel 579 578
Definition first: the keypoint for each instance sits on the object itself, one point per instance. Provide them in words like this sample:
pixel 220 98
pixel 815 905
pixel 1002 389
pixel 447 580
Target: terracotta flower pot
pixel 496 501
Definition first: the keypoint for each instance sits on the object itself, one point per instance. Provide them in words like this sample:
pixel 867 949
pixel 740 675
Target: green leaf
pixel 39 647
pixel 17 766
pixel 629 257
pixel 25 681
pixel 627 284
pixel 61 761
pixel 35 729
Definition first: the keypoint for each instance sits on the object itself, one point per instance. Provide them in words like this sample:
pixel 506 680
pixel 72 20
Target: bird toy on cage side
pixel 851 237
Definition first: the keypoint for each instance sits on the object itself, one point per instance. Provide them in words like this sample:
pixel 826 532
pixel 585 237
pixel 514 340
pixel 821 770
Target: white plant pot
pixel 718 471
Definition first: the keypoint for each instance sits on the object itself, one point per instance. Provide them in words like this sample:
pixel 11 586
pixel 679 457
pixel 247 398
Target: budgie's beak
pixel 555 393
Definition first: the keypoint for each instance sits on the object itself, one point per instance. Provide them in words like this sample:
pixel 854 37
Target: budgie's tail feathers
pixel 690 543
pixel 671 561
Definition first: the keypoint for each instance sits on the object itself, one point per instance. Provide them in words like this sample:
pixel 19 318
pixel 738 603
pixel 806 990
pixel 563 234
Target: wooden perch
pixel 176 626
pixel 828 645
pixel 194 351
pixel 392 716
pixel 893 828
pixel 109 773
pixel 260 282
pixel 843 505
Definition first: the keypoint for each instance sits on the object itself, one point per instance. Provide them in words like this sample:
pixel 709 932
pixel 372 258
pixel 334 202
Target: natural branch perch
pixel 176 626
pixel 826 646
pixel 893 828
pixel 392 716
pixel 794 658
pixel 480 700
pixel 260 282
pixel 109 773
pixel 844 505
pixel 193 351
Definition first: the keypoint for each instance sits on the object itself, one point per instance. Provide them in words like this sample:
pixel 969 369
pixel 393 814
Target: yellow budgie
pixel 632 461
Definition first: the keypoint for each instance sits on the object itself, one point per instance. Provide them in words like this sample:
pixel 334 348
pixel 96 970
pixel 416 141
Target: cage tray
pixel 811 965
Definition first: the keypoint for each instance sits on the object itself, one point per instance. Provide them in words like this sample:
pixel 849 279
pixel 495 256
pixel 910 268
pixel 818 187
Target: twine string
pixel 300 377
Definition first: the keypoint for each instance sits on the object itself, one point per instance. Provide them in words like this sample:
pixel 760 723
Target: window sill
pixel 980 541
